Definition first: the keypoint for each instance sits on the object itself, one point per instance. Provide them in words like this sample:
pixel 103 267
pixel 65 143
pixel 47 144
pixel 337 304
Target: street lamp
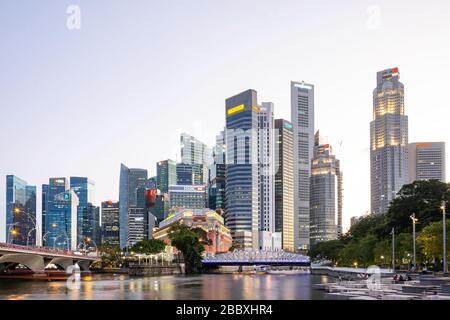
pixel 12 231
pixel 444 236
pixel 393 249
pixel 17 211
pixel 414 221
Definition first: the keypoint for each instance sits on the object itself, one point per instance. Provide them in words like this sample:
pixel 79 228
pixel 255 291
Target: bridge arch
pixel 31 261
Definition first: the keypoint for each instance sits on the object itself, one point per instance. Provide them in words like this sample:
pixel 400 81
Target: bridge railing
pixel 43 250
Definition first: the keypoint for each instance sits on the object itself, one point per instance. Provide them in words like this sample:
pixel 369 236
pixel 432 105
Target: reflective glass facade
pixel 20 211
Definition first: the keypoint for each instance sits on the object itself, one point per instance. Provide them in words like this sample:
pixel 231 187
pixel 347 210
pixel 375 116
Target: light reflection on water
pixel 203 287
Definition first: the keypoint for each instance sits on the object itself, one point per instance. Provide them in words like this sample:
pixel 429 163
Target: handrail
pixel 42 250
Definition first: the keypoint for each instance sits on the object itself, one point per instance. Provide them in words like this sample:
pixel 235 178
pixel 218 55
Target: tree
pixel 190 242
pixel 149 246
pixel 430 240
pixel 110 255
pixel 328 250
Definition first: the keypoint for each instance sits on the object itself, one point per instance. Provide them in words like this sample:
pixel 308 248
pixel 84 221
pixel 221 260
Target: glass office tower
pixel 55 187
pixel 84 189
pixel 241 187
pixel 133 182
pixel 21 223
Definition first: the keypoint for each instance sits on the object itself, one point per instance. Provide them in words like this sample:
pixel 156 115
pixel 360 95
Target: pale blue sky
pixel 138 73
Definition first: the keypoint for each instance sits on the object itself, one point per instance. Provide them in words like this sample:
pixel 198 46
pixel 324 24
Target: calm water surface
pixel 207 287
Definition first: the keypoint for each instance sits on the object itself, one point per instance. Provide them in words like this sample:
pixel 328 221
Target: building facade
pixel 302 119
pixel 62 221
pixel 87 218
pixel 241 173
pixel 197 154
pixel 188 197
pixel 216 183
pixel 21 223
pixel 284 183
pixel 212 223
pixel 138 225
pixel 132 188
pixel 56 186
pixel 326 194
pixel 388 141
pixel 166 175
pixel 266 172
pixel 426 161
pixel 185 174
pixel 110 223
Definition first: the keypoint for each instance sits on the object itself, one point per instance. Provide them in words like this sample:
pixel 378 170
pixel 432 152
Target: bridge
pixel 40 258
pixel 255 258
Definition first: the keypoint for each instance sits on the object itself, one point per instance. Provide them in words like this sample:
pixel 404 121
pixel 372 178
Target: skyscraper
pixel 62 220
pixel 84 189
pixel 216 183
pixel 302 118
pixel 44 198
pixel 21 223
pixel 241 190
pixel 133 182
pixel 110 223
pixel 326 194
pixel 284 183
pixel 197 154
pixel 426 161
pixel 91 232
pixel 51 230
pixel 266 173
pixel 166 175
pixel 185 174
pixel 388 140
pixel 188 197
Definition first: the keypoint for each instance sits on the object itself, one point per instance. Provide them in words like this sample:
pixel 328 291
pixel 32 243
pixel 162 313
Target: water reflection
pixel 204 287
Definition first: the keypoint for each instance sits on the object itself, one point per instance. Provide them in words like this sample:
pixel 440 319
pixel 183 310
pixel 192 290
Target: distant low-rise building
pixel 206 219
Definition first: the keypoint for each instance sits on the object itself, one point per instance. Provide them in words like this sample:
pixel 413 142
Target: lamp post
pixel 444 236
pixel 414 221
pixel 17 210
pixel 393 250
pixel 11 231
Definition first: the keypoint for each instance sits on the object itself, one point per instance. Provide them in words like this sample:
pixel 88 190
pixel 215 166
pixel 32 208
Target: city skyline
pixel 349 83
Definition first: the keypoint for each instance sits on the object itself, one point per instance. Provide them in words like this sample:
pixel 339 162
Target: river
pixel 206 287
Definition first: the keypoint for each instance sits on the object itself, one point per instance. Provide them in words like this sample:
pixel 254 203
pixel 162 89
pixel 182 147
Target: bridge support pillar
pixel 31 261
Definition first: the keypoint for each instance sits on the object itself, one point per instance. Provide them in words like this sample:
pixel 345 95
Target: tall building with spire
pixel 388 140
pixel 326 193
pixel 302 118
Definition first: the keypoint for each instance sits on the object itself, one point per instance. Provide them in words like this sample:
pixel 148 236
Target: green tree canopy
pixel 149 246
pixel 430 240
pixel 190 242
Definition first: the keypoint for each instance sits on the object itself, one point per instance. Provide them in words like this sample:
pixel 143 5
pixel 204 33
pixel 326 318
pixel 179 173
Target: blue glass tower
pixel 241 191
pixel 21 224
pixel 185 174
pixel 86 220
pixel 62 220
